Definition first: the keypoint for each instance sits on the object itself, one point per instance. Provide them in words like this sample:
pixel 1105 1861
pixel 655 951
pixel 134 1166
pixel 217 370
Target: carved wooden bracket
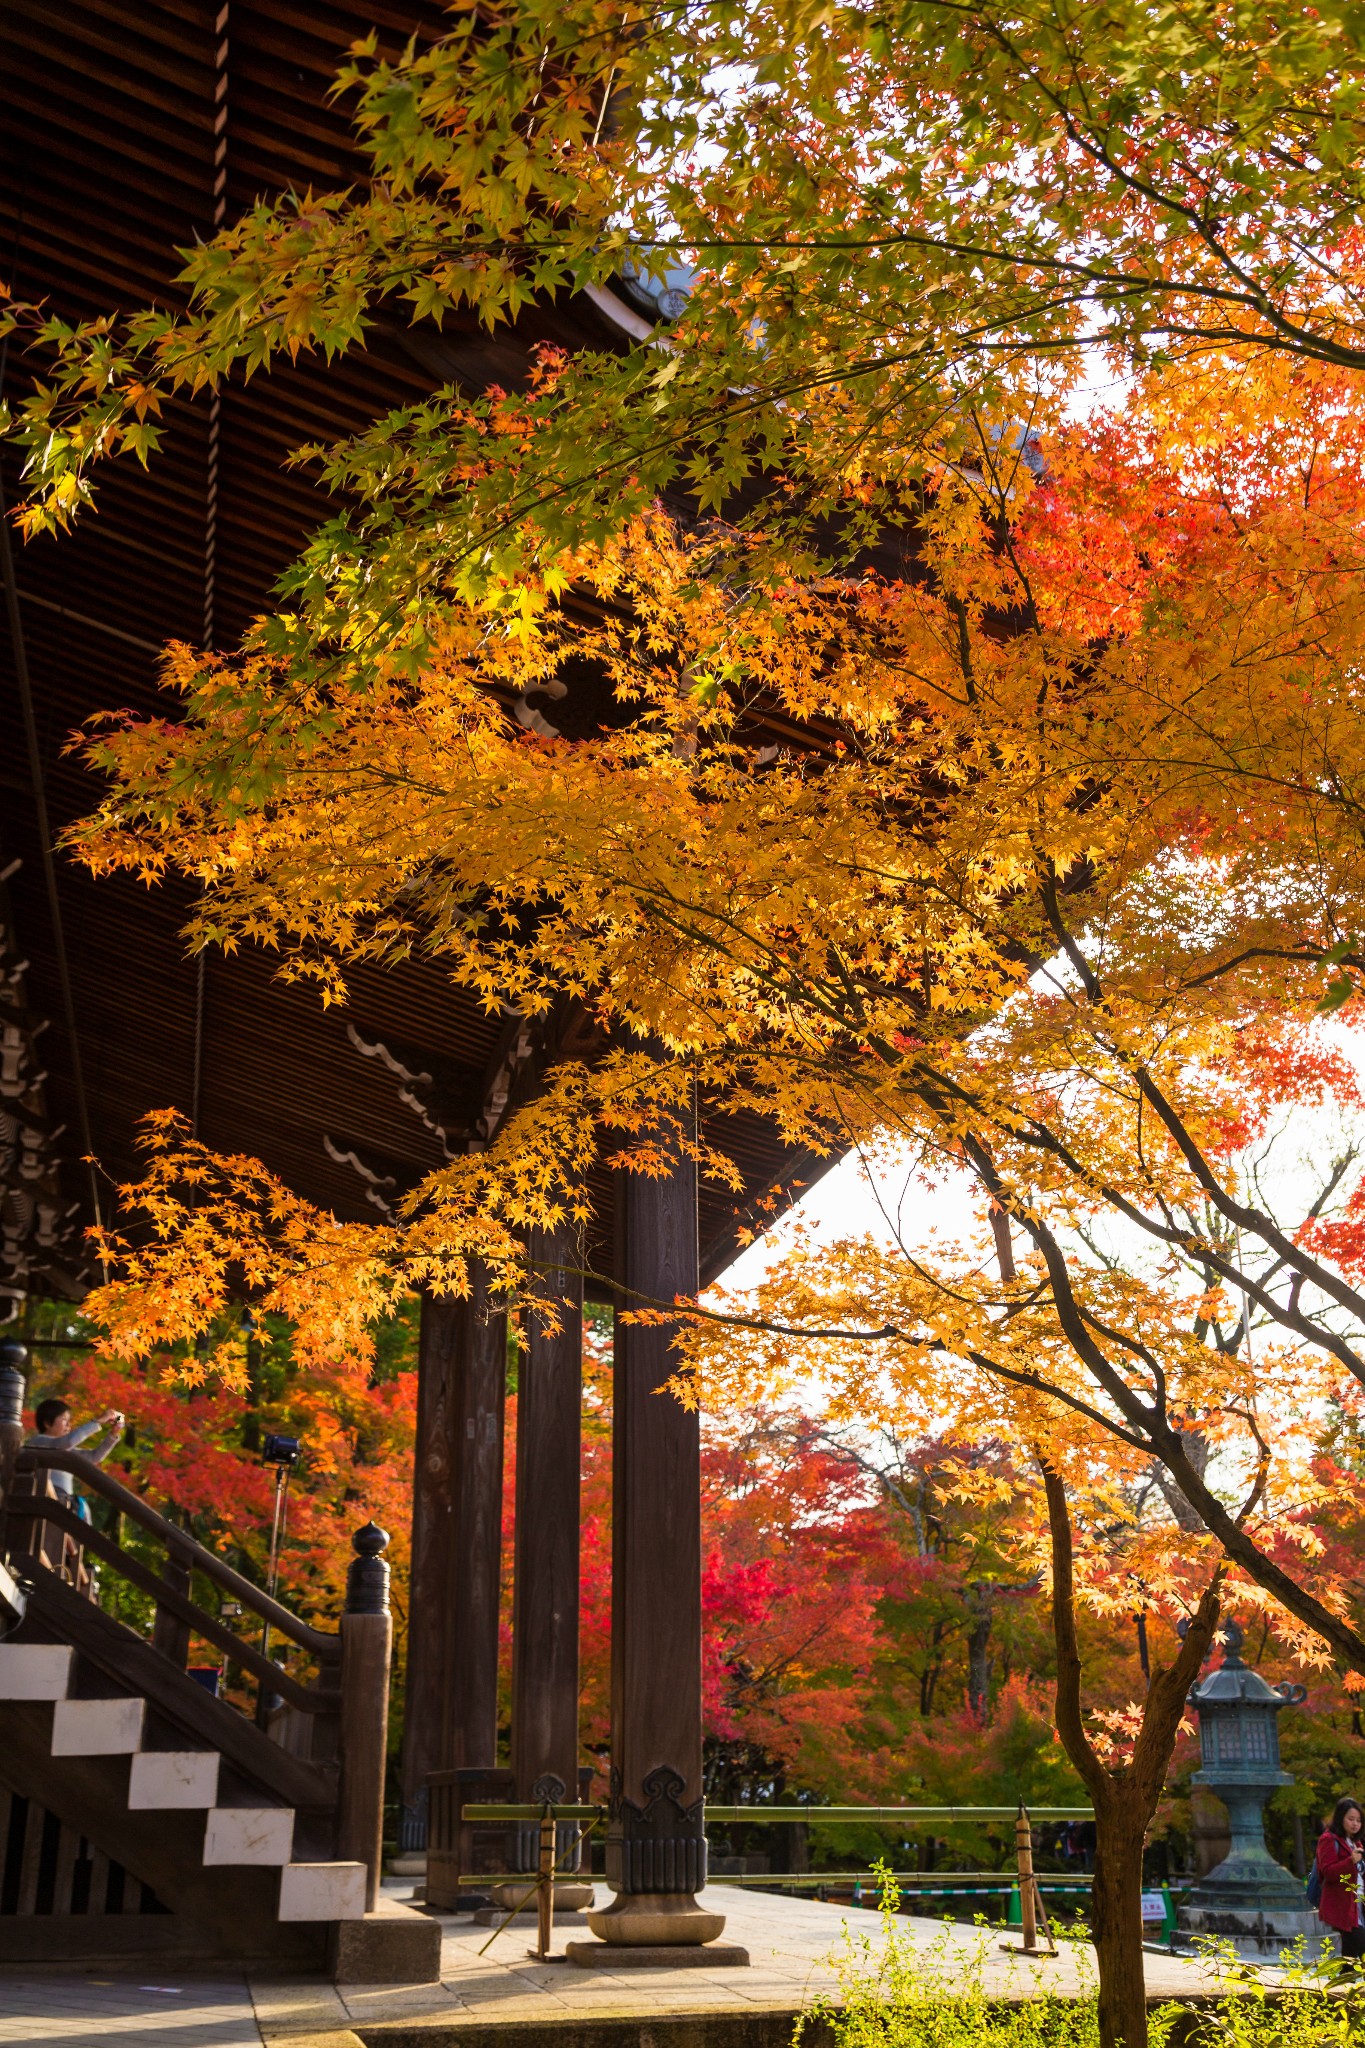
pixel 659 1846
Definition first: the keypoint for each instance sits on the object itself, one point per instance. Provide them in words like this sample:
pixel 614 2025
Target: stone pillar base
pixel 601 1955
pixel 656 1920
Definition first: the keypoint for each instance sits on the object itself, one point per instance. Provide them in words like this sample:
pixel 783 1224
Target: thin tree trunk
pixel 1116 1918
pixel 1124 1798
pixel 979 1666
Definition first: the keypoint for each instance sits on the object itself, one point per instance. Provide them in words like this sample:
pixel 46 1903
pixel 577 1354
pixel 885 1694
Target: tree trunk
pixel 1116 1920
pixel 979 1654
pixel 1125 1797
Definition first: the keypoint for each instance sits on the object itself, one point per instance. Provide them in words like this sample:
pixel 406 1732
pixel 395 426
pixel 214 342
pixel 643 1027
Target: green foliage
pixel 895 1992
pixel 895 214
pixel 1300 2009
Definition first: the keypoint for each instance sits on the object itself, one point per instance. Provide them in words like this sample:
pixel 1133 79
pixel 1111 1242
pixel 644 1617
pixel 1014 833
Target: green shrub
pixel 895 1993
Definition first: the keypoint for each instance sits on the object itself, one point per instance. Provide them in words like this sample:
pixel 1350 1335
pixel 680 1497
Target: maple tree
pixel 195 1451
pixel 1057 849
pixel 865 947
pixel 856 944
pixel 886 214
pixel 851 1646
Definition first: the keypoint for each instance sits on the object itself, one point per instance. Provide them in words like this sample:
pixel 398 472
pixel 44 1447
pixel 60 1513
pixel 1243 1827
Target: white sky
pixel 852 1200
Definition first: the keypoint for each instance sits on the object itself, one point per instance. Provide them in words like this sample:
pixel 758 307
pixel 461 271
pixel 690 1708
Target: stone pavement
pixel 505 1999
pixel 792 1944
pixel 176 2012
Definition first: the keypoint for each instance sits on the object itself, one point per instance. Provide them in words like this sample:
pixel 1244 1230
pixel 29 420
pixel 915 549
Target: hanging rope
pixel 24 682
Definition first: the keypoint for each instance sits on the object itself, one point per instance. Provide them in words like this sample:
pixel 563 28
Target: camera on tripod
pixel 281 1450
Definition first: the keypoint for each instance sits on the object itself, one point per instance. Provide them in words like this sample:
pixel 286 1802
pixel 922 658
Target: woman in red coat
pixel 1340 1848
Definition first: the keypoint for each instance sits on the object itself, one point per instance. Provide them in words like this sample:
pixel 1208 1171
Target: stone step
pixel 173 1777
pixel 322 1891
pixel 35 1671
pixel 249 1834
pixel 97 1727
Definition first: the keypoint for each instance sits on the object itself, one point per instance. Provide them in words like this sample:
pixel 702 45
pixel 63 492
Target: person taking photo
pixel 55 1433
pixel 1339 1852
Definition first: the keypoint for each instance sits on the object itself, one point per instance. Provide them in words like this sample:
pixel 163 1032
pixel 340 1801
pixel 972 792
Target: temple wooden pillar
pixel 656 1847
pixel 433 1550
pixel 471 1727
pixel 451 1706
pixel 546 1576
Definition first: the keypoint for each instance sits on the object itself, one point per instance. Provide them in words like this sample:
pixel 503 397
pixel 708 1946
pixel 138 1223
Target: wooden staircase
pixel 254 1844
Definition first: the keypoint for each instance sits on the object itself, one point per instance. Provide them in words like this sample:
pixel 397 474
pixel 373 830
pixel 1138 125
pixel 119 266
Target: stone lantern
pixel 1249 1899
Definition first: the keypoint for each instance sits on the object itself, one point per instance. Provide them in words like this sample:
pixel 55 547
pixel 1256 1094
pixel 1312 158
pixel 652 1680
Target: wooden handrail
pixel 41 1458
pixel 38 1508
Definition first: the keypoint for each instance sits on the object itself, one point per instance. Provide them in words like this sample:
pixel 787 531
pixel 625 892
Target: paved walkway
pixel 793 1946
pixel 76 2012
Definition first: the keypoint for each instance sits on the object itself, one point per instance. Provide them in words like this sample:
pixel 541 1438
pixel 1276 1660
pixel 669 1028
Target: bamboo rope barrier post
pixel 1032 1912
pixel 545 1887
pixel 1028 1894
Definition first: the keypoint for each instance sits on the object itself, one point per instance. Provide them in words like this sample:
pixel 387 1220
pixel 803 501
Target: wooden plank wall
pixel 46 1868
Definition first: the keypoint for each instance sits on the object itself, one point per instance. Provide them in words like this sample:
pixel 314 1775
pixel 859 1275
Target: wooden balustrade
pixel 40 1521
pixel 42 1458
pixel 170 1631
pixel 65 1543
pixel 347 1706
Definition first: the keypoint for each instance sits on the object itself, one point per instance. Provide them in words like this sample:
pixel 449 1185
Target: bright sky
pixel 853 1199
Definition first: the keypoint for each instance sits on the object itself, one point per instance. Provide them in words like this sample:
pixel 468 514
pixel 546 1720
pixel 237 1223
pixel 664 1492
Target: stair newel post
pixel 170 1634
pixel 13 1359
pixel 366 1644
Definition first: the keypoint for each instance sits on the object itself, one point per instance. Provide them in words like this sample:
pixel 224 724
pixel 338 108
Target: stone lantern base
pixel 1256 1936
pixel 1250 1900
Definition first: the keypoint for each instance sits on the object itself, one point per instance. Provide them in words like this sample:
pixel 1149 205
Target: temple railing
pixel 338 1723
pixel 40 1521
pixel 1027 1887
pixel 475 1834
pixel 473 1841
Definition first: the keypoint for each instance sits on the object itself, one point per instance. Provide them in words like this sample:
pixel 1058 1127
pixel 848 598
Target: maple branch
pixel 1254 1220
pixel 1168 1446
pixel 1069 1713
pixel 1168 1690
pixel 1250 291
pixel 1017 1376
pixel 1239 1213
pixel 1286 1314
pixel 1307 955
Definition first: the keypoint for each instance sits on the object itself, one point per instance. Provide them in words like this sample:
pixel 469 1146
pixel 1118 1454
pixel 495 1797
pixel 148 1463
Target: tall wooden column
pixel 476 1572
pixel 433 1551
pixel 546 1582
pixel 451 1707
pixel 656 1848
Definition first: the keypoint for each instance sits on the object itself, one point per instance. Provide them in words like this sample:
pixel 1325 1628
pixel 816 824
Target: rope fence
pixel 876 1816
pixel 1028 1885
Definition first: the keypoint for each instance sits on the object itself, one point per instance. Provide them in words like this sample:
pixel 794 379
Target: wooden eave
pixel 107 168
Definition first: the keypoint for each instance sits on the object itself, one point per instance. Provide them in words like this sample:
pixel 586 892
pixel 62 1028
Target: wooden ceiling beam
pixel 116 56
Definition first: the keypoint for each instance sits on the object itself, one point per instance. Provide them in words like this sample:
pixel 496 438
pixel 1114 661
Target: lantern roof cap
pixel 1235 1683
